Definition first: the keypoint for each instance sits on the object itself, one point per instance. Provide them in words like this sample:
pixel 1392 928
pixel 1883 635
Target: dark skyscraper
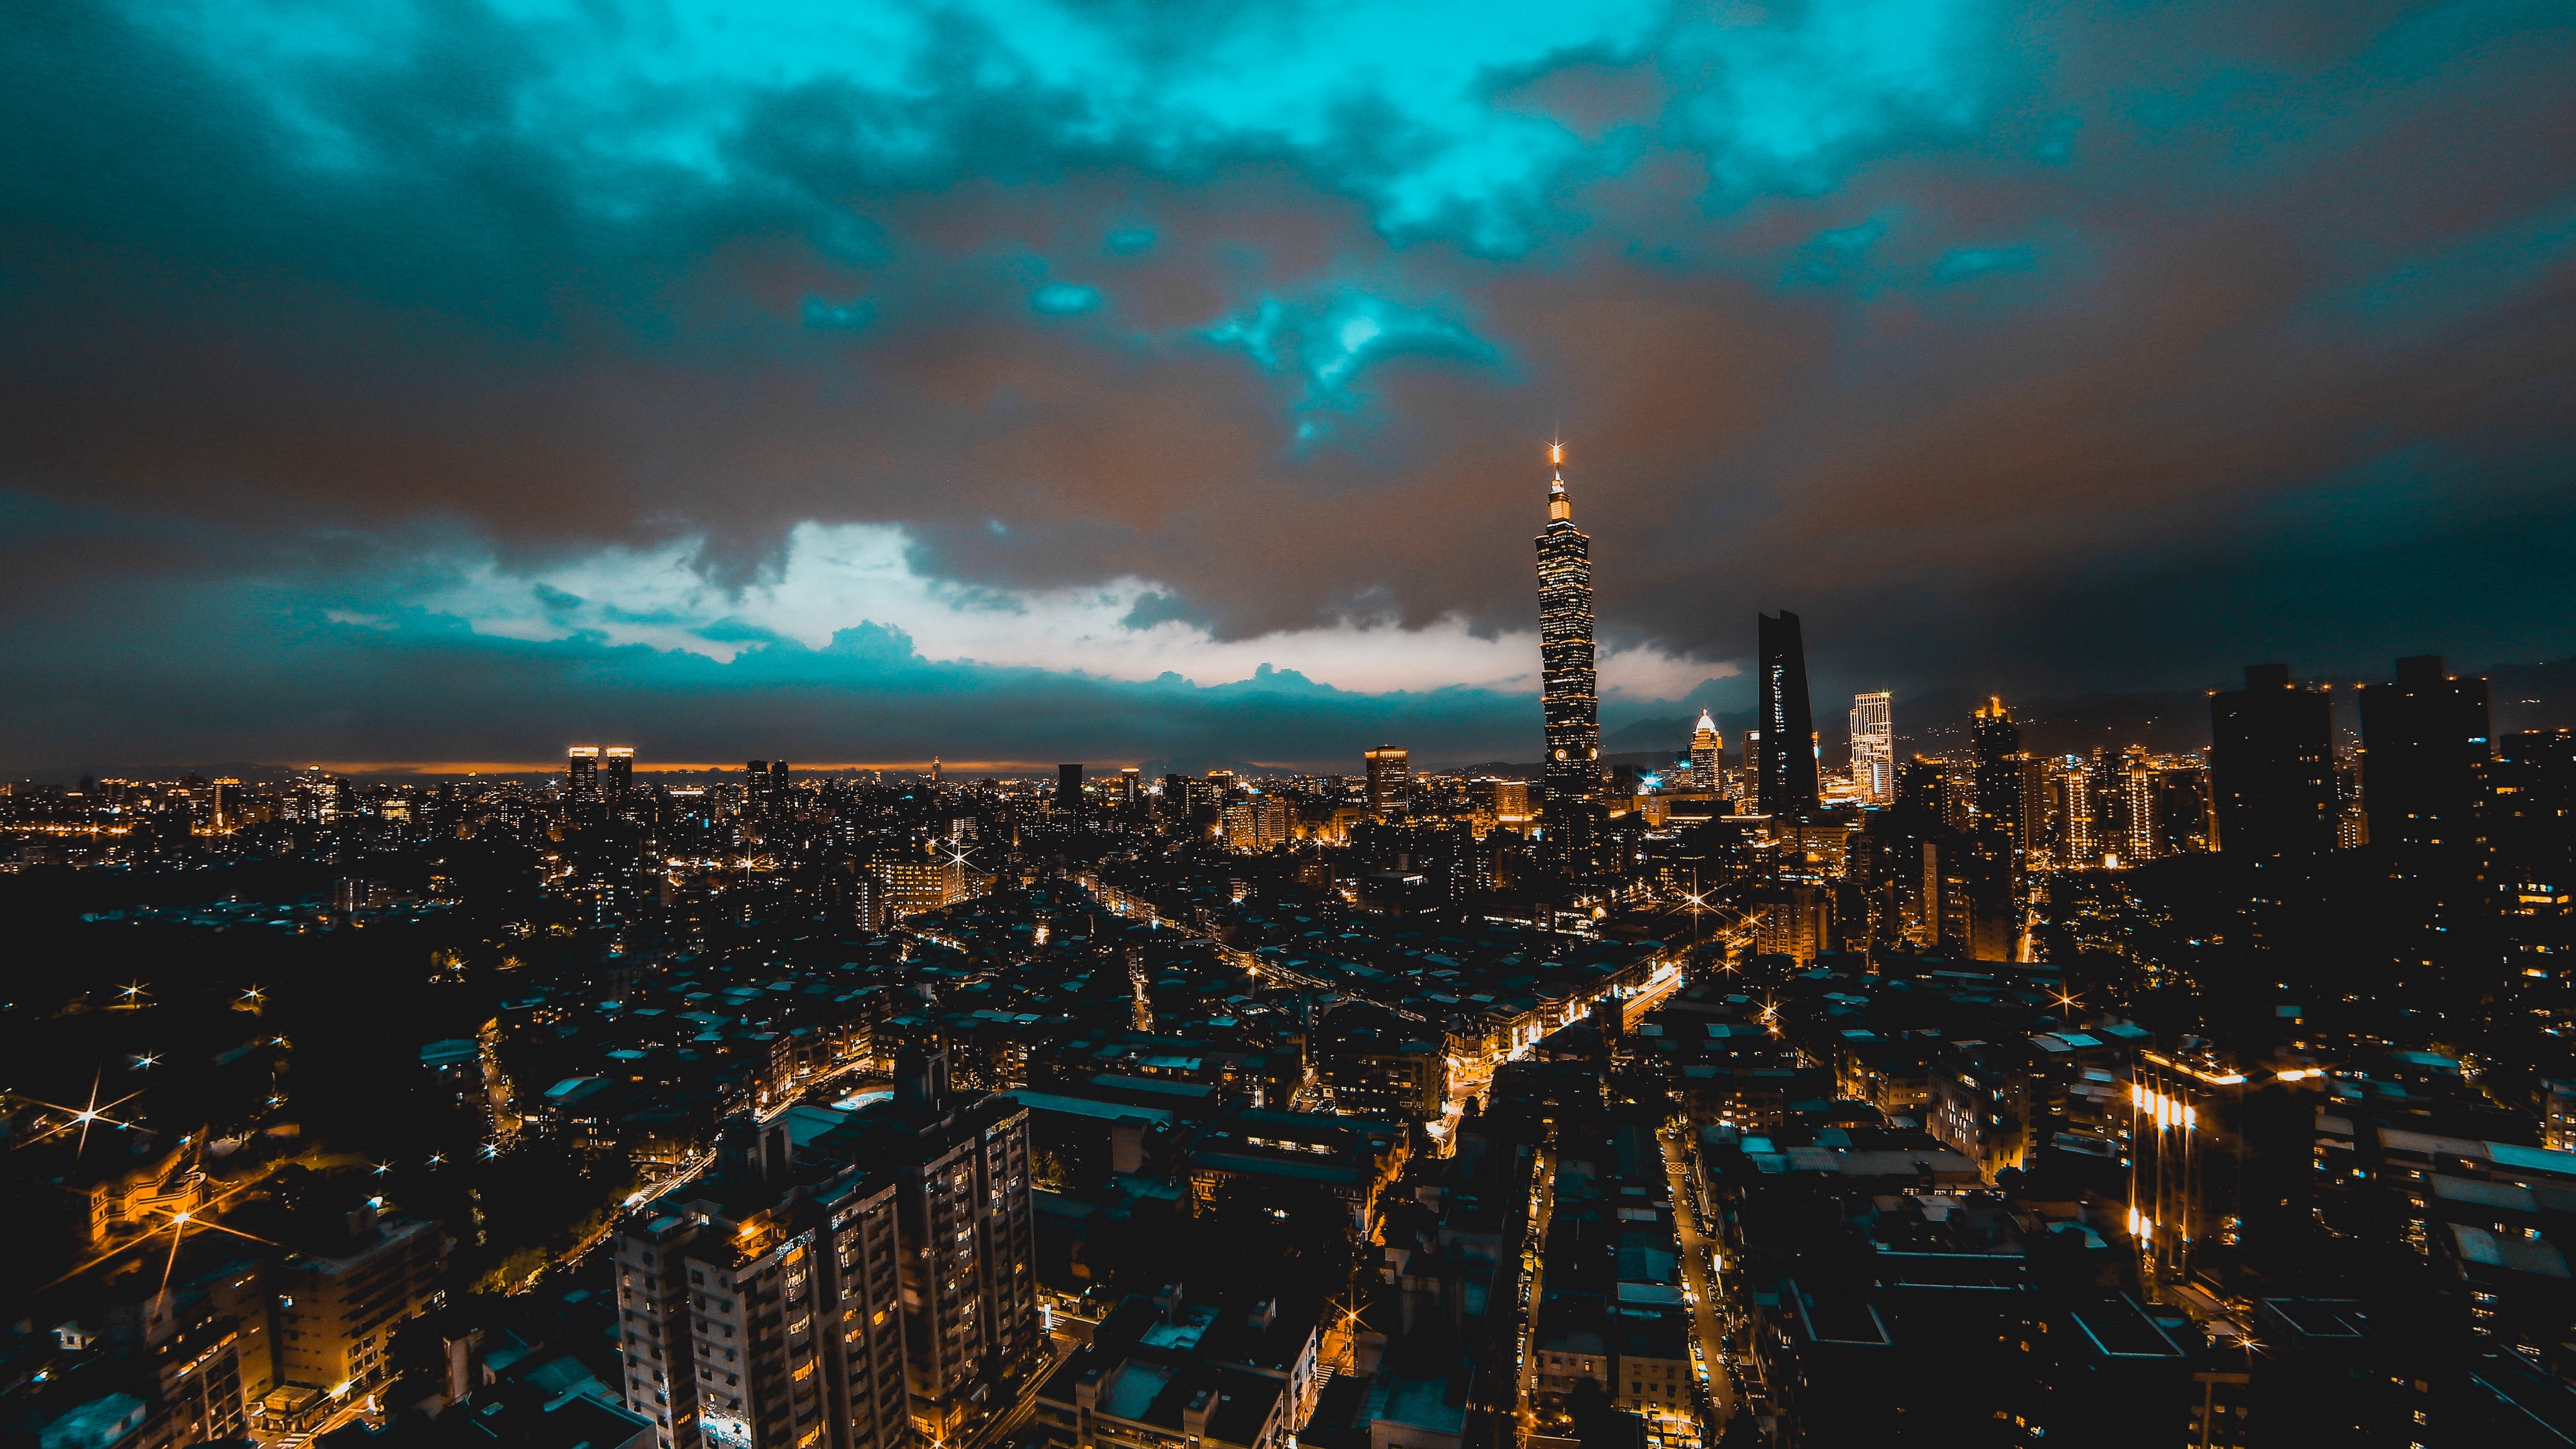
pixel 2425 738
pixel 1068 794
pixel 2271 767
pixel 1999 776
pixel 581 774
pixel 620 760
pixel 1569 696
pixel 1786 783
pixel 1995 884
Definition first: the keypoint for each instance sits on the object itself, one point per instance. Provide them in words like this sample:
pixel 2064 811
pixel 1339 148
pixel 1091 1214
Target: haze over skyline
pixel 1024 382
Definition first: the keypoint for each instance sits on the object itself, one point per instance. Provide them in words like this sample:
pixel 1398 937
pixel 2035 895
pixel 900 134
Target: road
pixel 1001 1426
pixel 571 1257
pixel 1698 1275
pixel 358 1406
pixel 1534 1261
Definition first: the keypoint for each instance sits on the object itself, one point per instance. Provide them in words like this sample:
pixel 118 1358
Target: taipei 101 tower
pixel 1569 696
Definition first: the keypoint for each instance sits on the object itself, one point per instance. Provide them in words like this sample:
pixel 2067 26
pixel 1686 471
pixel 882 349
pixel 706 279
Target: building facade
pixel 1390 781
pixel 1569 698
pixel 1873 747
pixel 1707 748
pixel 1785 774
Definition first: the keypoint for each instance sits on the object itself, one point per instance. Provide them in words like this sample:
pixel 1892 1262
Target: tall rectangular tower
pixel 1787 782
pixel 1068 795
pixel 1390 781
pixel 1873 746
pixel 2271 767
pixel 1569 697
pixel 581 774
pixel 2426 738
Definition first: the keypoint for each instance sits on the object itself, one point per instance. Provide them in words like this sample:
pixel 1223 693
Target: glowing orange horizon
pixel 548 767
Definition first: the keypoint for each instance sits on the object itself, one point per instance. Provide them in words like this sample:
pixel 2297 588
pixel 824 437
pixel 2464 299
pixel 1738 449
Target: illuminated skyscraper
pixel 1706 746
pixel 581 774
pixel 1390 781
pixel 1786 781
pixel 1569 696
pixel 1873 746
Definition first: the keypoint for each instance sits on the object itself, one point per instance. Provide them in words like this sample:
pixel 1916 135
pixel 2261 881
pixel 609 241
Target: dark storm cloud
pixel 2043 347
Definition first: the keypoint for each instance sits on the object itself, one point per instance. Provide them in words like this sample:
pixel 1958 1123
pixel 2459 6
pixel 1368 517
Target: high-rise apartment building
pixel 339 1307
pixel 2138 836
pixel 1569 698
pixel 917 880
pixel 2531 859
pixel 1708 747
pixel 871 1289
pixel 764 787
pixel 581 774
pixel 1390 781
pixel 2271 767
pixel 2079 842
pixel 1785 780
pixel 960 1169
pixel 761 1307
pixel 2425 738
pixel 1873 746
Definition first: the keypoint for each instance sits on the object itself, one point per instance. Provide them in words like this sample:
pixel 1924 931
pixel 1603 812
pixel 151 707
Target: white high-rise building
pixel 1706 746
pixel 1873 747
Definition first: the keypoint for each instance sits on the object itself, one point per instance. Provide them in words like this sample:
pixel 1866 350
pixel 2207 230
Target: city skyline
pixel 1257 724
pixel 478 419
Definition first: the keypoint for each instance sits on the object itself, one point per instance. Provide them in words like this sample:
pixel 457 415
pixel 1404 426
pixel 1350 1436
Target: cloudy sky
pixel 1009 380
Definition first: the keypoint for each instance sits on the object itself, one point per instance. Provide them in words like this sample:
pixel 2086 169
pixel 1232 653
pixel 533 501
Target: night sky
pixel 391 382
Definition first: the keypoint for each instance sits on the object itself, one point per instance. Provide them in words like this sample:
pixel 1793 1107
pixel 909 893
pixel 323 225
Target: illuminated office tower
pixel 620 760
pixel 1785 783
pixel 1569 698
pixel 1707 745
pixel 1390 781
pixel 1873 746
pixel 581 774
pixel 1131 785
